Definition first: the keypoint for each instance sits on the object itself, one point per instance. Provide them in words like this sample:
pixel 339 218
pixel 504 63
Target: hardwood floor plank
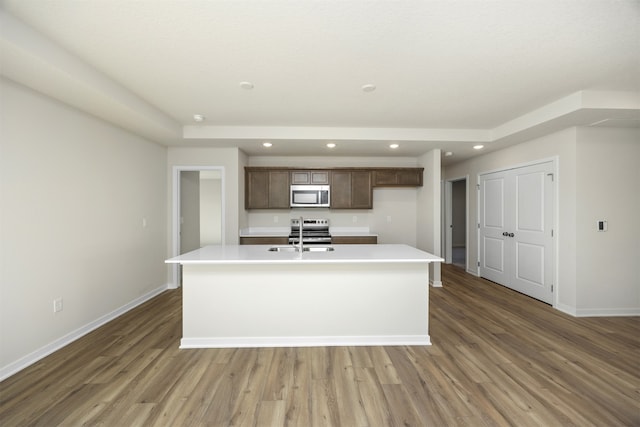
pixel 374 402
pixel 498 358
pixel 270 413
pixel 298 402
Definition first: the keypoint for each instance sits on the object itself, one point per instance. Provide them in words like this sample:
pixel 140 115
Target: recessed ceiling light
pixel 478 147
pixel 394 146
pixel 368 87
pixel 331 145
pixel 448 154
pixel 267 144
pixel 246 85
pixel 198 118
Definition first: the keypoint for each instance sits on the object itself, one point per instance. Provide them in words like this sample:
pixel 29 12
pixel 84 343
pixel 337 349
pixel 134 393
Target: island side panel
pixel 264 305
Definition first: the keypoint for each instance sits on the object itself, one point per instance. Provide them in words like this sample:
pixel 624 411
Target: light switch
pixel 602 225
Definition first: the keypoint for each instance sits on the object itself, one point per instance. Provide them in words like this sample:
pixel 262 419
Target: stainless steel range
pixel 314 231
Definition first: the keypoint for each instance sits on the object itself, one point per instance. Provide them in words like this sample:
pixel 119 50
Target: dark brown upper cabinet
pixel 398 177
pixel 266 188
pixel 351 189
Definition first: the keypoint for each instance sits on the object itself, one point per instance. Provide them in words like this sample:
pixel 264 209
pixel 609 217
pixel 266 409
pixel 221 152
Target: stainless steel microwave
pixel 310 196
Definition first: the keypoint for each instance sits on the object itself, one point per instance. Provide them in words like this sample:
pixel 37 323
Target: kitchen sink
pixel 284 249
pixel 297 249
pixel 318 248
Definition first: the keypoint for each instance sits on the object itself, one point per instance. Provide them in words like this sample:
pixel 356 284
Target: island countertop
pixel 260 254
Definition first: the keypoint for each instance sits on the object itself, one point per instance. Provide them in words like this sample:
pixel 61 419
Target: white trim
pixel 518 166
pixel 607 312
pixel 175 210
pixel 321 341
pixel 567 309
pixel 56 345
pixel 435 283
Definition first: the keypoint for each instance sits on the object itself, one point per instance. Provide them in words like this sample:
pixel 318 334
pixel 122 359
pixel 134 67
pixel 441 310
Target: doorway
pixel 198 210
pixel 456 216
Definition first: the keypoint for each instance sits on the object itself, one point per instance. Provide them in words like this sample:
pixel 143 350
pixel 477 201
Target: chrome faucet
pixel 300 235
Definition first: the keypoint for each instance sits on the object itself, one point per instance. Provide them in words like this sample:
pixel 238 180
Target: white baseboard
pixel 607 312
pixel 435 283
pixel 571 311
pixel 31 358
pixel 598 312
pixel 253 342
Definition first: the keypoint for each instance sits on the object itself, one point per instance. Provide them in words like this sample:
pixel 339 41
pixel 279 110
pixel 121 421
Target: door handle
pixel 510 234
pixel 505 234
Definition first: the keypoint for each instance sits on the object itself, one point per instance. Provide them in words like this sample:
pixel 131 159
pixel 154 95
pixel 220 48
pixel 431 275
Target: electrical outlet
pixel 388 218
pixel 57 305
pixel 144 222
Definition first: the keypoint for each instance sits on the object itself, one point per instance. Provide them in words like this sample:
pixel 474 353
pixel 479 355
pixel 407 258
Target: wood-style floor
pixel 498 358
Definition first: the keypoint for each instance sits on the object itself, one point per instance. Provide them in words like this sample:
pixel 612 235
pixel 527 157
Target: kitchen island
pixel 250 296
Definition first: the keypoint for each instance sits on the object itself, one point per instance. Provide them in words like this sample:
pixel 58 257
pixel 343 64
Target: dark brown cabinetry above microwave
pixel 311 177
pixel 351 188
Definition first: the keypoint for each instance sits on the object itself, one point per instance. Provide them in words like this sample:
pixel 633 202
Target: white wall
pixel 429 212
pixel 608 188
pixel 189 211
pixel 210 210
pixel 74 193
pixel 575 195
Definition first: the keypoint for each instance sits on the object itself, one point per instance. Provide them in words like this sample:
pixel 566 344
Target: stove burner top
pixel 314 231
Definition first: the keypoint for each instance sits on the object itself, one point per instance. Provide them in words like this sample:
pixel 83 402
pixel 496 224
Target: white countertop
pixel 259 254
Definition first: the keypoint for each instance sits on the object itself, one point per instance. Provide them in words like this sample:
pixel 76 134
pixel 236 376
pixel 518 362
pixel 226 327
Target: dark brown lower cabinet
pixel 264 240
pixel 354 240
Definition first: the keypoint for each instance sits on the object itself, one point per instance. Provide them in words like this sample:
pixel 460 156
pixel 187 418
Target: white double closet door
pixel 516 229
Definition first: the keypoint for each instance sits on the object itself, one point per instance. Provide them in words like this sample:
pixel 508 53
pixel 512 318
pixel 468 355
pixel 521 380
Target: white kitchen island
pixel 248 296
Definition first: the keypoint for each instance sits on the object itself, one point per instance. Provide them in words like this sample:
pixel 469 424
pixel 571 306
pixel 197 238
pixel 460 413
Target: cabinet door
pixel 319 177
pixel 300 177
pixel 266 189
pixel 264 240
pixel 354 240
pixel 361 190
pixel 410 177
pixel 398 177
pixel 386 177
pixel 278 190
pixel 310 177
pixel 256 194
pixel 351 190
pixel 340 189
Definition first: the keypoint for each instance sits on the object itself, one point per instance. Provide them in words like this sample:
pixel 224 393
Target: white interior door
pixel 532 239
pixel 516 223
pixel 494 262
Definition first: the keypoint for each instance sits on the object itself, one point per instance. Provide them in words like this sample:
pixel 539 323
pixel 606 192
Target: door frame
pixel 175 213
pixel 555 160
pixel 448 219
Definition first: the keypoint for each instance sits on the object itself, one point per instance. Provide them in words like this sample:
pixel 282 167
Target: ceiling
pixel 447 74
